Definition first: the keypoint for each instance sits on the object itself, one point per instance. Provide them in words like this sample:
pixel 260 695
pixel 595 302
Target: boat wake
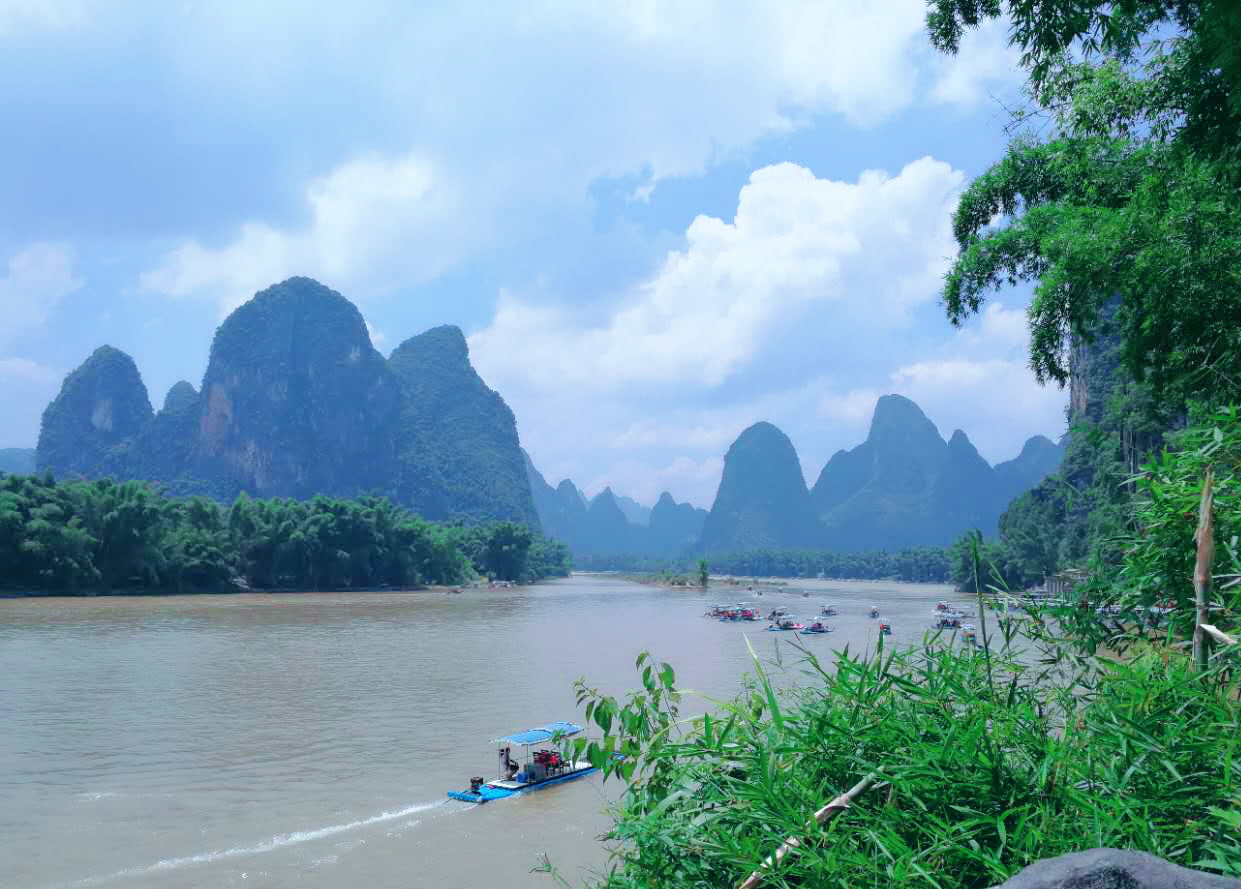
pixel 277 842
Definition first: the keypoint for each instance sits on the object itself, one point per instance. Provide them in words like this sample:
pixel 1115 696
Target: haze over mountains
pixel 296 401
pixel 904 486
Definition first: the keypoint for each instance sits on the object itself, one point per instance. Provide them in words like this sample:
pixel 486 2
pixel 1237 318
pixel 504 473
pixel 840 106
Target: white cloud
pixel 986 63
pixel 16 14
pixel 39 276
pixel 513 111
pixel 378 339
pixel 871 249
pixel 25 389
pixel 373 224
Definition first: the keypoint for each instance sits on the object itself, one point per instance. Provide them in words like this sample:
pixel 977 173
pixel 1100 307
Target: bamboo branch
pixel 1217 634
pixel 824 815
pixel 1202 568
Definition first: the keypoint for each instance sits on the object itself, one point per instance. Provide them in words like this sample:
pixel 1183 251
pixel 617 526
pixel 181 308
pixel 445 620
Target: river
pixel 307 740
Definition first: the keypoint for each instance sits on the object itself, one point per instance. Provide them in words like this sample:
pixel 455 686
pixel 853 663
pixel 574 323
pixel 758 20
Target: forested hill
pixel 903 488
pixel 297 402
pixel 906 486
pixel 762 500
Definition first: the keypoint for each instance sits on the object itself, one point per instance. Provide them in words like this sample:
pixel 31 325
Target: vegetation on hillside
pixel 106 536
pixel 457 448
pixel 296 402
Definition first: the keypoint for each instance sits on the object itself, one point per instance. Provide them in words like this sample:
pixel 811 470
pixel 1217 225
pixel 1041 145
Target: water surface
pixel 306 740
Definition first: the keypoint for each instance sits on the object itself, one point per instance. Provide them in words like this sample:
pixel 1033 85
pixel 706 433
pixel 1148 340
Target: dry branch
pixel 1202 568
pixel 824 815
pixel 1217 634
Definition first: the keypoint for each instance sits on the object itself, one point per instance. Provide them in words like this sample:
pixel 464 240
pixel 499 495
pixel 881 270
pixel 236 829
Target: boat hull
pixel 495 790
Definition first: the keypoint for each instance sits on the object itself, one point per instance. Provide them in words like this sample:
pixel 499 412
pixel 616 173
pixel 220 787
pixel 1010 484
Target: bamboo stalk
pixel 1202 568
pixel 824 815
pixel 1217 634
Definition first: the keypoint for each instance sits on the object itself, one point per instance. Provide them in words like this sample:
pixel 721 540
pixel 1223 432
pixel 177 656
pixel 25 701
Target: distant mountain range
pixel 17 461
pixel 606 525
pixel 295 402
pixel 904 486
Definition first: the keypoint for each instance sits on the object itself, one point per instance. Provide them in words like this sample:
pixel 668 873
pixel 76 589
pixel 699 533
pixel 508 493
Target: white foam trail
pixel 277 842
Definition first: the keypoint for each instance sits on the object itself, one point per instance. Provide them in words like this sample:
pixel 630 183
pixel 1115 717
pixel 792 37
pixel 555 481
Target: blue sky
pixel 656 222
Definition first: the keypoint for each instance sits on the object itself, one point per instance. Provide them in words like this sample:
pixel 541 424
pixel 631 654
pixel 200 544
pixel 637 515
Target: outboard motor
pixel 476 784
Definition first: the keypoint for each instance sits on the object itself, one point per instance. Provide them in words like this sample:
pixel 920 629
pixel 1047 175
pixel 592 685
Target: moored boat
pixel 785 624
pixel 531 769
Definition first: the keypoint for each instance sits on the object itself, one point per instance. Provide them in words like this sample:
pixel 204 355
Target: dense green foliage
pixel 107 536
pixel 1157 565
pixel 1132 197
pixel 914 564
pixel 983 767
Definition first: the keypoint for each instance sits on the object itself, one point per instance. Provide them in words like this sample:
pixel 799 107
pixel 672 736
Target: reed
pixel 989 767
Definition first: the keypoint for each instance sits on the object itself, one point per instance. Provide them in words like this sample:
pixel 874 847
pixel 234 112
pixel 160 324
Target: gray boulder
pixel 1114 869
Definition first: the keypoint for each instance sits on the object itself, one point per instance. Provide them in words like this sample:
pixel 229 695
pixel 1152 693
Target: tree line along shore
pixel 105 536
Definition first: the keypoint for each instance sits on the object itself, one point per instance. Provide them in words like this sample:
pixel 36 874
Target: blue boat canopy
pixel 539 735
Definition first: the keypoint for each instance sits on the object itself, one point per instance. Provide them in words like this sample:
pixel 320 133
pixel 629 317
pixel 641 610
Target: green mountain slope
pixel 297 402
pixel 89 428
pixel 762 499
pixel 457 447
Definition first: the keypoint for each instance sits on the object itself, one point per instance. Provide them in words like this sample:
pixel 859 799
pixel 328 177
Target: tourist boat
pixel 874 611
pixel 776 614
pixel 947 622
pixel 785 624
pixel 829 611
pixel 885 629
pixel 533 770
pixel 817 628
pixel 738 612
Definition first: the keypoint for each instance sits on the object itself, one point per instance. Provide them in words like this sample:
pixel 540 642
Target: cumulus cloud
pixel 372 224
pixel 796 311
pixel 39 276
pixel 513 111
pixel 987 62
pixel 874 248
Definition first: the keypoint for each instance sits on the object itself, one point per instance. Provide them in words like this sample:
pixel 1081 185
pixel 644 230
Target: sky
pixel 657 223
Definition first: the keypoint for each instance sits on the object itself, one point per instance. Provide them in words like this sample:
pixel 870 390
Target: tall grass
pixel 984 765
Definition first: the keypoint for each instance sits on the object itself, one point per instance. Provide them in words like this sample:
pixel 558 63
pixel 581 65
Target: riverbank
pixel 108 537
pixel 978 764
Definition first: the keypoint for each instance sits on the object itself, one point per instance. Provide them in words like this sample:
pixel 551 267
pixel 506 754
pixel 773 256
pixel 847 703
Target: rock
pixel 459 456
pixel 88 429
pixel 1113 869
pixel 762 501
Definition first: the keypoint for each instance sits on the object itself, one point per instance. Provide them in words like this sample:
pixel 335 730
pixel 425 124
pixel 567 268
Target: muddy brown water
pixel 307 740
